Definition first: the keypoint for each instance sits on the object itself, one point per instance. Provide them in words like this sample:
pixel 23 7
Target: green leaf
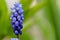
pixel 27 25
pixel 26 4
pixel 25 36
pixel 46 27
pixel 33 10
pixel 3 18
pixel 53 16
pixel 3 8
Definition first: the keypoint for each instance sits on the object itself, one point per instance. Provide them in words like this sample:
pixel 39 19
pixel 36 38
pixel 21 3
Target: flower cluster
pixel 17 18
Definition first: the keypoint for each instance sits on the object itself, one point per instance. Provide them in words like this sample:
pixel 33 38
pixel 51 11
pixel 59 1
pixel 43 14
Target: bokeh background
pixel 41 20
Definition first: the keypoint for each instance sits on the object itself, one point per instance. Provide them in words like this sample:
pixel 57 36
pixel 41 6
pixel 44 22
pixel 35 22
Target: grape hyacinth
pixel 17 18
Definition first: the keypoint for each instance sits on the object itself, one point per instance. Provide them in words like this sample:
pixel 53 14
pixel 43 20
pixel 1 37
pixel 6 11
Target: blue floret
pixel 17 18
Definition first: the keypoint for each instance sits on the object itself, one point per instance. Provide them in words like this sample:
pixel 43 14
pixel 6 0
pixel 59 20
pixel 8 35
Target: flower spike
pixel 17 18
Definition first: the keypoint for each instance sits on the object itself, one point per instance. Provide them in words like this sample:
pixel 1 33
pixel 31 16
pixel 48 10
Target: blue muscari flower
pixel 17 18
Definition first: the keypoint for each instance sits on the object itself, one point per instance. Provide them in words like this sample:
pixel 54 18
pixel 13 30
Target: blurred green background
pixel 41 20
